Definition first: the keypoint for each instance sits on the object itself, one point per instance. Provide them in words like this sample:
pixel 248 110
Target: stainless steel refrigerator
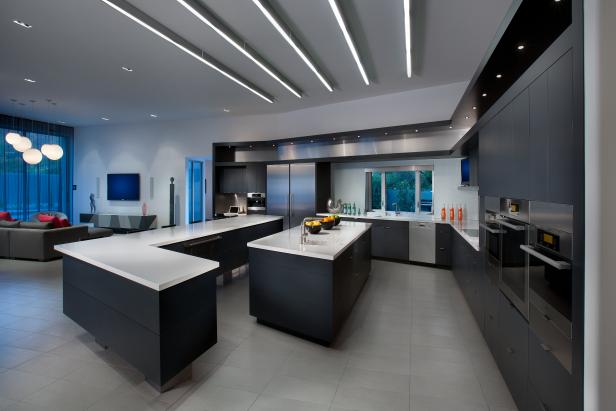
pixel 296 190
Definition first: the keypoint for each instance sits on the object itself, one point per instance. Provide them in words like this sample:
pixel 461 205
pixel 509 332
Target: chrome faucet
pixel 397 211
pixel 303 238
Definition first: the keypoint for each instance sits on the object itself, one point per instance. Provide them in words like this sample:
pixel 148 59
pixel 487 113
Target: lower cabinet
pixel 390 239
pixel 550 384
pixel 443 245
pixel 512 350
pixel 536 379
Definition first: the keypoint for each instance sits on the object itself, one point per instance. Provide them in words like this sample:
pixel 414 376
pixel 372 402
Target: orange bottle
pixel 452 215
pixel 443 213
pixel 460 213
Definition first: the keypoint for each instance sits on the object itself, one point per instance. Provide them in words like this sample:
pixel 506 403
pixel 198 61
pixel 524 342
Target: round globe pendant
pixel 12 137
pixel 32 156
pixel 54 152
pixel 23 144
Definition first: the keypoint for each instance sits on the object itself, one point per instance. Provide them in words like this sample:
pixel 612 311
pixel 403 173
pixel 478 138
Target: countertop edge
pixel 255 244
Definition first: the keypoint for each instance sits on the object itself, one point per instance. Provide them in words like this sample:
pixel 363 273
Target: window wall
pixel 26 189
pixel 403 189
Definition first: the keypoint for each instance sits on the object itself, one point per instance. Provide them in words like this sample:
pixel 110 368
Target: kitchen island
pixel 309 288
pixel 151 296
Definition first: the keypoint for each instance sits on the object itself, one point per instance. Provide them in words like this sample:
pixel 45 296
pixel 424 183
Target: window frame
pixel 417 169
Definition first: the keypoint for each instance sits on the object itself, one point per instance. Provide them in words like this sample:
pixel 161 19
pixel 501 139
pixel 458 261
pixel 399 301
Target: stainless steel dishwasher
pixel 422 242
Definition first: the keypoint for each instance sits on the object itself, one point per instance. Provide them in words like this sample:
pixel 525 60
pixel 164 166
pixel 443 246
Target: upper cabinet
pixel 528 149
pixel 232 179
pixel 553 150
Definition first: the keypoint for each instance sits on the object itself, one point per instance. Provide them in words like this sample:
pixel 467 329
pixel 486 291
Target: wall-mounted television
pixel 123 187
pixel 465 168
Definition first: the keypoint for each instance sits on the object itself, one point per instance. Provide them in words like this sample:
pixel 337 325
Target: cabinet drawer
pixel 490 331
pixel 512 355
pixel 551 382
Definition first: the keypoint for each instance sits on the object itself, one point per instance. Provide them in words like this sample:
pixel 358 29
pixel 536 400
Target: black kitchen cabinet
pixel 443 244
pixel 469 274
pixel 490 330
pixel 256 178
pixel 551 386
pixel 232 179
pixel 512 350
pixel 390 239
pixel 553 149
pixel 488 158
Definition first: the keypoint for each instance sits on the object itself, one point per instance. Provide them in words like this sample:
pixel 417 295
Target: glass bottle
pixel 354 209
pixel 452 214
pixel 460 214
pixel 443 213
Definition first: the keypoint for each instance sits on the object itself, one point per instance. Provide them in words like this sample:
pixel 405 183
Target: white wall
pixel 159 148
pixel 349 183
pixel 600 248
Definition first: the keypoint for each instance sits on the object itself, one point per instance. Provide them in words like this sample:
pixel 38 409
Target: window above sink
pixel 405 190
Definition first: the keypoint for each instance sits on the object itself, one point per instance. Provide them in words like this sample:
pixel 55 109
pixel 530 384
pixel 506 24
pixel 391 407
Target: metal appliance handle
pixel 512 226
pixel 289 199
pixel 491 230
pixel 559 265
pixel 201 242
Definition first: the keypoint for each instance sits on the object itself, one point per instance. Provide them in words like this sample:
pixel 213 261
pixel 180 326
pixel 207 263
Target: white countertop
pixel 459 226
pixel 137 257
pixel 326 245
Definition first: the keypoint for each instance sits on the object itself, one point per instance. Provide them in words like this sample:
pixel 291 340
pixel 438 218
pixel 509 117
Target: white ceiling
pixel 76 48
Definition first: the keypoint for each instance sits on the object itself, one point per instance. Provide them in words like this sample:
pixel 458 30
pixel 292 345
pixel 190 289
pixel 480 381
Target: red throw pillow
pixel 50 219
pixel 65 222
pixel 5 215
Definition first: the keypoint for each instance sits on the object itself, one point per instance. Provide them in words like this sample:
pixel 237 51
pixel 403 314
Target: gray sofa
pixel 37 243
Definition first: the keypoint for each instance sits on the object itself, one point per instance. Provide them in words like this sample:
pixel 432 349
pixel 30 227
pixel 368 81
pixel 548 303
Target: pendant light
pixel 23 144
pixel 32 156
pixel 54 151
pixel 12 137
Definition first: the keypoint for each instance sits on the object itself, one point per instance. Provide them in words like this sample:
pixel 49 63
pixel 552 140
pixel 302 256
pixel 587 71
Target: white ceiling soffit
pixel 75 50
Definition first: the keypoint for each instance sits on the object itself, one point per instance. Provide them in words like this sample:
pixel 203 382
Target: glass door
pixel 195 191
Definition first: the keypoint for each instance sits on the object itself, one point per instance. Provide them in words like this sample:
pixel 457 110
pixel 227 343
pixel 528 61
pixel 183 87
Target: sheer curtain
pixel 26 189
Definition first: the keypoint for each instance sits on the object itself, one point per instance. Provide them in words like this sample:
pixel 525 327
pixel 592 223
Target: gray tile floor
pixel 410 344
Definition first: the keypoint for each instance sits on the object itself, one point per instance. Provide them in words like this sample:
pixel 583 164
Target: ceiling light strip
pixel 407 38
pixel 347 36
pixel 214 25
pixel 112 4
pixel 289 39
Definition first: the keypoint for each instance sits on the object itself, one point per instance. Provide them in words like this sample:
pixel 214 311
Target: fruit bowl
pixel 314 227
pixel 337 219
pixel 328 223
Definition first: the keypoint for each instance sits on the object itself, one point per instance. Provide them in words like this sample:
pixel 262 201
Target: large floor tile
pixel 16 385
pixel 301 390
pixel 366 399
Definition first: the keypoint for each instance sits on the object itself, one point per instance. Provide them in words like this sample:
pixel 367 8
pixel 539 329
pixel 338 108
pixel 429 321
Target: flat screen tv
pixel 123 187
pixel 465 169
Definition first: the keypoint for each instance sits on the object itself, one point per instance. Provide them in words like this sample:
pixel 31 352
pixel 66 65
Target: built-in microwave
pixel 550 277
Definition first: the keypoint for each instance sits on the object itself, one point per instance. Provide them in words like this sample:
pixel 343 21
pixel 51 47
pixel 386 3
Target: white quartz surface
pixel 137 256
pixel 326 245
pixel 459 226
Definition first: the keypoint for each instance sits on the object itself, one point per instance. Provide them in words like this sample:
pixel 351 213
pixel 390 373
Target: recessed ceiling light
pixel 499 75
pixel 153 115
pixel 484 95
pixel 417 131
pixel 467 117
pixel 104 118
pixel 358 136
pixel 312 141
pixel 407 38
pixel 334 138
pixel 22 24
pixel 386 133
pixel 226 110
pixel 450 126
pixel 239 44
pixel 292 143
pixel 286 34
pixel 521 47
pixel 186 48
pixel 273 145
pixel 29 80
pixel 61 122
pixel 130 70
pixel 347 36
pixel 474 107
